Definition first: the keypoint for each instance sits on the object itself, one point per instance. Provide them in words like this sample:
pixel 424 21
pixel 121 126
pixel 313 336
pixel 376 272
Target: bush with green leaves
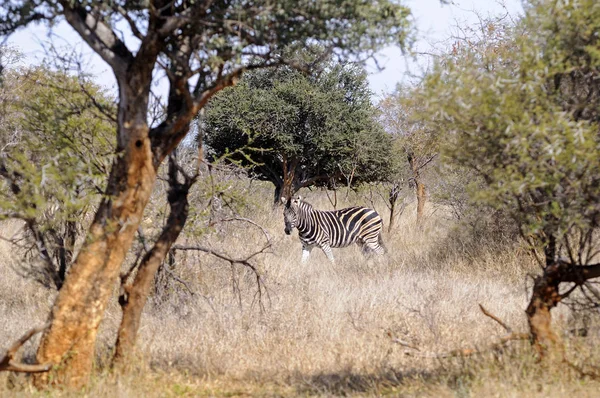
pixel 521 111
pixel 57 140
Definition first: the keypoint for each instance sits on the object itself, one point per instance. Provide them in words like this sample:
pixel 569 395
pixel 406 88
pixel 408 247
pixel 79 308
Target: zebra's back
pixel 347 226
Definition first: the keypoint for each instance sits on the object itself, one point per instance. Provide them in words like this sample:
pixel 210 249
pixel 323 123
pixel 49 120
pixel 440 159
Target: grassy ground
pixel 322 329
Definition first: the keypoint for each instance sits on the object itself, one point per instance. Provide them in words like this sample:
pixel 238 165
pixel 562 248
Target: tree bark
pixel 419 187
pixel 70 341
pixel 392 200
pixel 421 198
pixel 289 174
pixel 136 294
pixel 544 297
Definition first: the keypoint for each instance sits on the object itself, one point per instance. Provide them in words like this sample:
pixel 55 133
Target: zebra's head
pixel 290 213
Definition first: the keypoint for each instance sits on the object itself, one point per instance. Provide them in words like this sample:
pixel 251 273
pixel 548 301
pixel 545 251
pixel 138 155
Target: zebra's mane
pixel 306 204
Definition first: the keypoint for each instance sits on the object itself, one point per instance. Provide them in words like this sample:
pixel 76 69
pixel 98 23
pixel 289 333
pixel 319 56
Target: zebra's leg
pixel 327 250
pixel 373 247
pixel 306 253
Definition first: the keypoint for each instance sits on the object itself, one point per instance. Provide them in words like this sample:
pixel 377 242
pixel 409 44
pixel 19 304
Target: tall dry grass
pixel 321 329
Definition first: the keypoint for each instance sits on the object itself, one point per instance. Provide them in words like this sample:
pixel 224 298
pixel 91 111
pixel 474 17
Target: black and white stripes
pixel 339 228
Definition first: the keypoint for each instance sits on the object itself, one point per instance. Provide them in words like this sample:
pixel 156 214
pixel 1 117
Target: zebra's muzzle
pixel 288 231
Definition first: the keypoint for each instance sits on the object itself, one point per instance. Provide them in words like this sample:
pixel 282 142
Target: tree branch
pixel 495 318
pixel 7 362
pixel 98 36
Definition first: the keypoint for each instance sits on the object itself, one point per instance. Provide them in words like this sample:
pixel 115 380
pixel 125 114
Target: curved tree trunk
pixel 136 294
pixel 393 197
pixel 70 341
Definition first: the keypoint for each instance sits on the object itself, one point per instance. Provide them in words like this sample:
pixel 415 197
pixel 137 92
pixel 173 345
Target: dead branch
pixel 402 342
pixel 232 261
pixel 466 352
pixel 495 318
pixel 7 363
pixel 243 219
pixel 178 279
pixel 593 374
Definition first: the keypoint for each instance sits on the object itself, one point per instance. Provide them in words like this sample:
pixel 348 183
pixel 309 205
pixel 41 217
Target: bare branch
pixel 242 261
pixel 264 231
pixel 7 362
pixel 98 36
pixel 495 318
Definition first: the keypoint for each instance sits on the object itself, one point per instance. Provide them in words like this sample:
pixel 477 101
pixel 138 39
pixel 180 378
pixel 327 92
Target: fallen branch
pixel 466 352
pixel 7 363
pixel 593 374
pixel 495 318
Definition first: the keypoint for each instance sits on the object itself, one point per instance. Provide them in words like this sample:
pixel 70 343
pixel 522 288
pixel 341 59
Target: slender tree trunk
pixel 79 308
pixel 136 294
pixel 288 188
pixel 419 187
pixel 392 200
pixel 421 198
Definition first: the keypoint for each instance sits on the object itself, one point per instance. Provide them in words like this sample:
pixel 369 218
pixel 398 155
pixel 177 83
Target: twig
pixel 595 374
pixel 178 279
pixel 264 231
pixel 495 318
pixel 7 362
pixel 402 342
pixel 466 352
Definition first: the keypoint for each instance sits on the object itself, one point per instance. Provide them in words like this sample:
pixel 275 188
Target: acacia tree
pixel 301 130
pixel 416 138
pixel 521 111
pixel 201 47
pixel 55 151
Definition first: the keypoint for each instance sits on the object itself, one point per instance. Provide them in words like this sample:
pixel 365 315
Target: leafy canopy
pixel 320 128
pixel 522 112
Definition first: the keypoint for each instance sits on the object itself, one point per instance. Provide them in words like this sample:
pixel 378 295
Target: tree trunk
pixel 421 198
pixel 277 194
pixel 136 294
pixel 392 200
pixel 79 308
pixel 419 187
pixel 544 297
pixel 289 174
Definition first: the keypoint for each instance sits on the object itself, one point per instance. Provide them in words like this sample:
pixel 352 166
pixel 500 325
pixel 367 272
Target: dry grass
pixel 322 329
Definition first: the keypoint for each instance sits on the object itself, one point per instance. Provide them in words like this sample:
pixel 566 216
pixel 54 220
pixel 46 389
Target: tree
pixel 201 47
pixel 417 138
pixel 56 148
pixel 303 130
pixel 521 110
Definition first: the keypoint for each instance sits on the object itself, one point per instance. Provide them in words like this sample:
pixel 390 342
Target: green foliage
pixel 318 129
pixel 509 115
pixel 56 143
pixel 56 151
pixel 351 26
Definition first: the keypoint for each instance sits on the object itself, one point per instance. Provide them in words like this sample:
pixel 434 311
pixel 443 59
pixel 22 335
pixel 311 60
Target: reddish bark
pixel 136 294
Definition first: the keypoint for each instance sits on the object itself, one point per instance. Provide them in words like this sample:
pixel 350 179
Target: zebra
pixel 327 229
